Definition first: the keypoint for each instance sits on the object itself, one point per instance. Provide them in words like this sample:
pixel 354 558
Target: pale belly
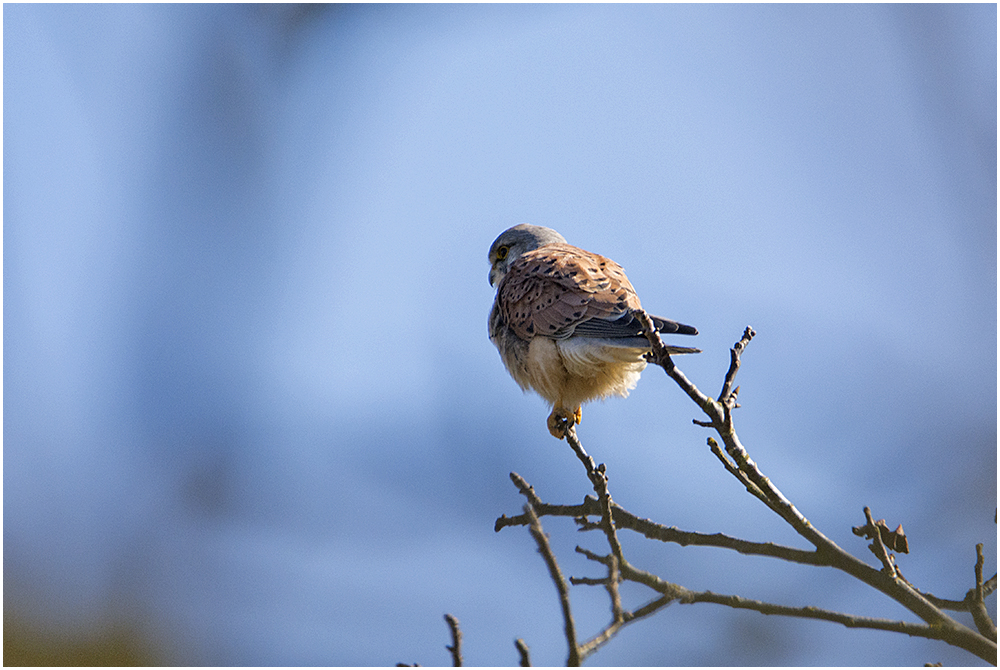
pixel 571 372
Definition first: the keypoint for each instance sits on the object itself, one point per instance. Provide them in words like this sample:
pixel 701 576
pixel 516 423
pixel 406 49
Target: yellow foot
pixel 562 419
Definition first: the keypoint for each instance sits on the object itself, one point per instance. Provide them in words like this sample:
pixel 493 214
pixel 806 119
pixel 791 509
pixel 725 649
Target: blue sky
pixel 250 399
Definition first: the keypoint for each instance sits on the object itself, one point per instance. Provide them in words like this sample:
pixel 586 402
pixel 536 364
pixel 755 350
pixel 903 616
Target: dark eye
pixel 502 252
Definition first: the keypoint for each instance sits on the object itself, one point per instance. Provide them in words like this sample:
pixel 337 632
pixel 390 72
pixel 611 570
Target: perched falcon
pixel 563 322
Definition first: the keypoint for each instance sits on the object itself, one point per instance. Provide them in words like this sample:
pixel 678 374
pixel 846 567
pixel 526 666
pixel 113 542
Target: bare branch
pixel 735 458
pixel 456 641
pixel 625 520
pixel 655 531
pixel 734 364
pixel 550 561
pixel 581 453
pixel 894 540
pixel 523 652
pixel 621 617
pixel 878 547
pixel 598 477
pixel 674 592
pixel 945 604
pixel 611 630
pixel 614 578
pixel 661 357
pixel 590 506
pixel 735 471
pixel 990 586
pixel 596 642
pixel 685 596
pixel 912 629
pixel 976 600
pixel 889 582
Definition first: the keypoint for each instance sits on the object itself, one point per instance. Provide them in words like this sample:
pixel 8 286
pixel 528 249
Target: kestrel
pixel 563 322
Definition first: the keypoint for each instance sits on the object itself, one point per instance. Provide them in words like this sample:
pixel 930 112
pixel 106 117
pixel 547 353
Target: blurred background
pixel 252 415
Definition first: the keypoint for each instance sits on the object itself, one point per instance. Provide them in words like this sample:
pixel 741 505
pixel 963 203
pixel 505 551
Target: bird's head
pixel 515 242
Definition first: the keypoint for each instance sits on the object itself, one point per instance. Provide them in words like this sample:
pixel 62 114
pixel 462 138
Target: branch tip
pixel 456 641
pixel 523 652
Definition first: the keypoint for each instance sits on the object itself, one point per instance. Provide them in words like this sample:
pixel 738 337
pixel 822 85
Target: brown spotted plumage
pixel 550 290
pixel 562 321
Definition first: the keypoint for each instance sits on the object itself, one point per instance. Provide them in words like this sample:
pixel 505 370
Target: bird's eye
pixel 502 252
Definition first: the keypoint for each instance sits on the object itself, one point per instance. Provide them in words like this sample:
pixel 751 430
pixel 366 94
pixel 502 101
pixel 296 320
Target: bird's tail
pixel 671 349
pixel 668 326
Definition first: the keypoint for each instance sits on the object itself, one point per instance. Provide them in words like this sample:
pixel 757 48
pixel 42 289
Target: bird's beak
pixel 493 272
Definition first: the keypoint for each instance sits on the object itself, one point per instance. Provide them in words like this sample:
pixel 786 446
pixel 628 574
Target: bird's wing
pixel 628 326
pixel 554 289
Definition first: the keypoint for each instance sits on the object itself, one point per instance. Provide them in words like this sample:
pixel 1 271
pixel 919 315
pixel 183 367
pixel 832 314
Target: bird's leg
pixel 559 422
pixel 562 419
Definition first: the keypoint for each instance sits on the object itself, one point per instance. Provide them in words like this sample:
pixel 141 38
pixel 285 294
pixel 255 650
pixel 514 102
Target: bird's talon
pixel 561 420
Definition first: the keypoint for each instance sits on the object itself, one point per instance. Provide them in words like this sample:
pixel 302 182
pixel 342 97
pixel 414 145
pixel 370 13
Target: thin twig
pixel 646 610
pixel 614 578
pixel 734 361
pixel 878 547
pixel 545 549
pixel 735 471
pixel 590 506
pixel 625 520
pixel 593 644
pixel 661 357
pixel 599 479
pixel 686 597
pixel 850 621
pixel 621 617
pixel 523 652
pixel 977 602
pixel 456 641
pixel 581 453
pixel 946 604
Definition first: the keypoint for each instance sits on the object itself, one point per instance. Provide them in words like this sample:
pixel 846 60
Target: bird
pixel 564 322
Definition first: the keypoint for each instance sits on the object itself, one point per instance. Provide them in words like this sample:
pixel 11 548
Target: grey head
pixel 515 242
